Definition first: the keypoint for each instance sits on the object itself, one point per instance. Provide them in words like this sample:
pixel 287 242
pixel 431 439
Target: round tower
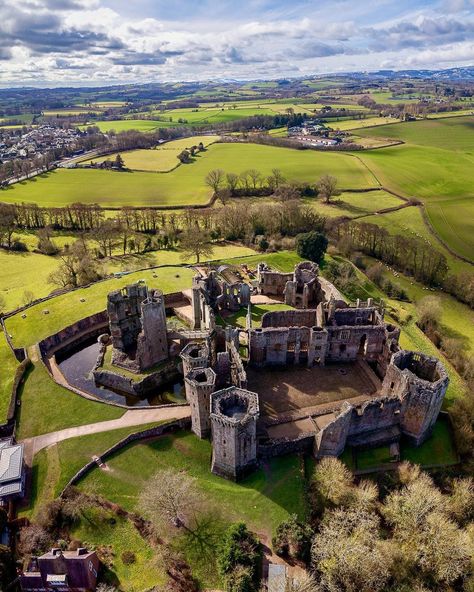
pixel 199 384
pixel 234 415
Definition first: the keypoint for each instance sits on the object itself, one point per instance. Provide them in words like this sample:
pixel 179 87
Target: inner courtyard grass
pixel 186 184
pixel 239 318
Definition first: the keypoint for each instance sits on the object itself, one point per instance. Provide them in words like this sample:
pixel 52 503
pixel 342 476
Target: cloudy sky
pixel 95 42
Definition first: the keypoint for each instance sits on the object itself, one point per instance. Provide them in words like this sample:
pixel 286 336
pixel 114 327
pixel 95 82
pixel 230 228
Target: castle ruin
pixel 317 377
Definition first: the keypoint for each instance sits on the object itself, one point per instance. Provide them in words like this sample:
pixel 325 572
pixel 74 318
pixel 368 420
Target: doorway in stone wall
pixel 362 346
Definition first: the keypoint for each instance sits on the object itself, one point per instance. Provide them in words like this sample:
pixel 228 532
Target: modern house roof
pixel 11 463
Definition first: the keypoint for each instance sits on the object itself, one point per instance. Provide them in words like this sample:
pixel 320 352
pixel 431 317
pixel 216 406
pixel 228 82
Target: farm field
pixel 354 124
pixel 8 365
pixel 435 165
pixel 410 222
pixel 355 204
pixel 24 272
pixel 185 185
pixel 124 125
pixel 160 159
pixel 455 133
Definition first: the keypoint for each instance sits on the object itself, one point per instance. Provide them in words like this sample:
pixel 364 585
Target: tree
pixel 232 182
pixel 106 236
pixel 286 193
pixel 196 243
pixel 331 482
pixel 7 224
pixel 170 497
pixel 118 162
pixel 214 179
pixel 77 267
pixel 312 246
pixel 238 559
pixel 347 554
pixel 275 179
pixel 184 156
pixel 293 539
pixel 429 312
pixel 7 568
pixel 326 188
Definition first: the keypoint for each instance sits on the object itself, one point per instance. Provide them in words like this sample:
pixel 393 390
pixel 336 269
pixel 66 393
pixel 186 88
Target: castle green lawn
pixel 47 406
pixel 8 365
pixel 185 185
pixel 68 308
pixel 28 272
pixel 102 528
pixel 53 467
pixel 262 500
pixel 281 261
pixel 439 449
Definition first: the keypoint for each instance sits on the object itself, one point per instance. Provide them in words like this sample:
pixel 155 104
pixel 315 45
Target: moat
pixel 77 366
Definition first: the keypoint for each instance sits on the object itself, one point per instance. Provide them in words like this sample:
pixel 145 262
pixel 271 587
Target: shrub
pixel 239 549
pixel 293 539
pixel 128 557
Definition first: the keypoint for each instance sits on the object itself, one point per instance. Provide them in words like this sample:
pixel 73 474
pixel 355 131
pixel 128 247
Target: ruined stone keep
pixel 137 322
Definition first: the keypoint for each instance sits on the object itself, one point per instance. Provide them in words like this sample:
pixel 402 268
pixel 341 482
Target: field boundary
pixel 432 230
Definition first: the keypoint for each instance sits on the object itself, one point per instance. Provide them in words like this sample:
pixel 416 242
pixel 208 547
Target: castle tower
pixel 234 415
pixel 152 341
pixel 194 355
pixel 420 382
pixel 199 384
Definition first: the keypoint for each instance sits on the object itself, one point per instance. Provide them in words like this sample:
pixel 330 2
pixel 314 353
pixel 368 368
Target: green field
pixel 124 125
pixel 159 159
pixel 353 124
pixel 185 185
pixel 24 272
pixel 355 204
pixel 435 165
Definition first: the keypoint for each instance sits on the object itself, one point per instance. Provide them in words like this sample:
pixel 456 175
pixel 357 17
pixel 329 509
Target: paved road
pixel 133 417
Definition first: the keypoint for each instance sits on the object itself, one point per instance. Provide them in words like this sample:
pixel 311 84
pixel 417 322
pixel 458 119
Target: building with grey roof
pixel 12 470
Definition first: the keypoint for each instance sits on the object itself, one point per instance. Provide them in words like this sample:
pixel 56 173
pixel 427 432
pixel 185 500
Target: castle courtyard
pixel 298 391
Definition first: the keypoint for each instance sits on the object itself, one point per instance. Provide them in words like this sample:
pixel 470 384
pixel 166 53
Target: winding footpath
pixel 133 417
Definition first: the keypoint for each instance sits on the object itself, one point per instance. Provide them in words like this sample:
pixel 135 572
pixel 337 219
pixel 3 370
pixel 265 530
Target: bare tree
pixel 232 182
pixel 214 179
pixel 332 482
pixel 196 243
pixel 327 188
pixel 170 497
pixel 347 553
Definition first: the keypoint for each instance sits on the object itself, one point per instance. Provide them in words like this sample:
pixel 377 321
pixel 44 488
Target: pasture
pixel 186 184
pixel 159 159
pixel 435 165
pixel 124 125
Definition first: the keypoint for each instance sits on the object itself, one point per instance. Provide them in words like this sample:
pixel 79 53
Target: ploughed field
pixel 186 184
pixel 435 164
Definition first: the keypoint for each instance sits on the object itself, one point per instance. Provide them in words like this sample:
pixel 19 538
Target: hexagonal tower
pixel 234 415
pixel 194 355
pixel 199 384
